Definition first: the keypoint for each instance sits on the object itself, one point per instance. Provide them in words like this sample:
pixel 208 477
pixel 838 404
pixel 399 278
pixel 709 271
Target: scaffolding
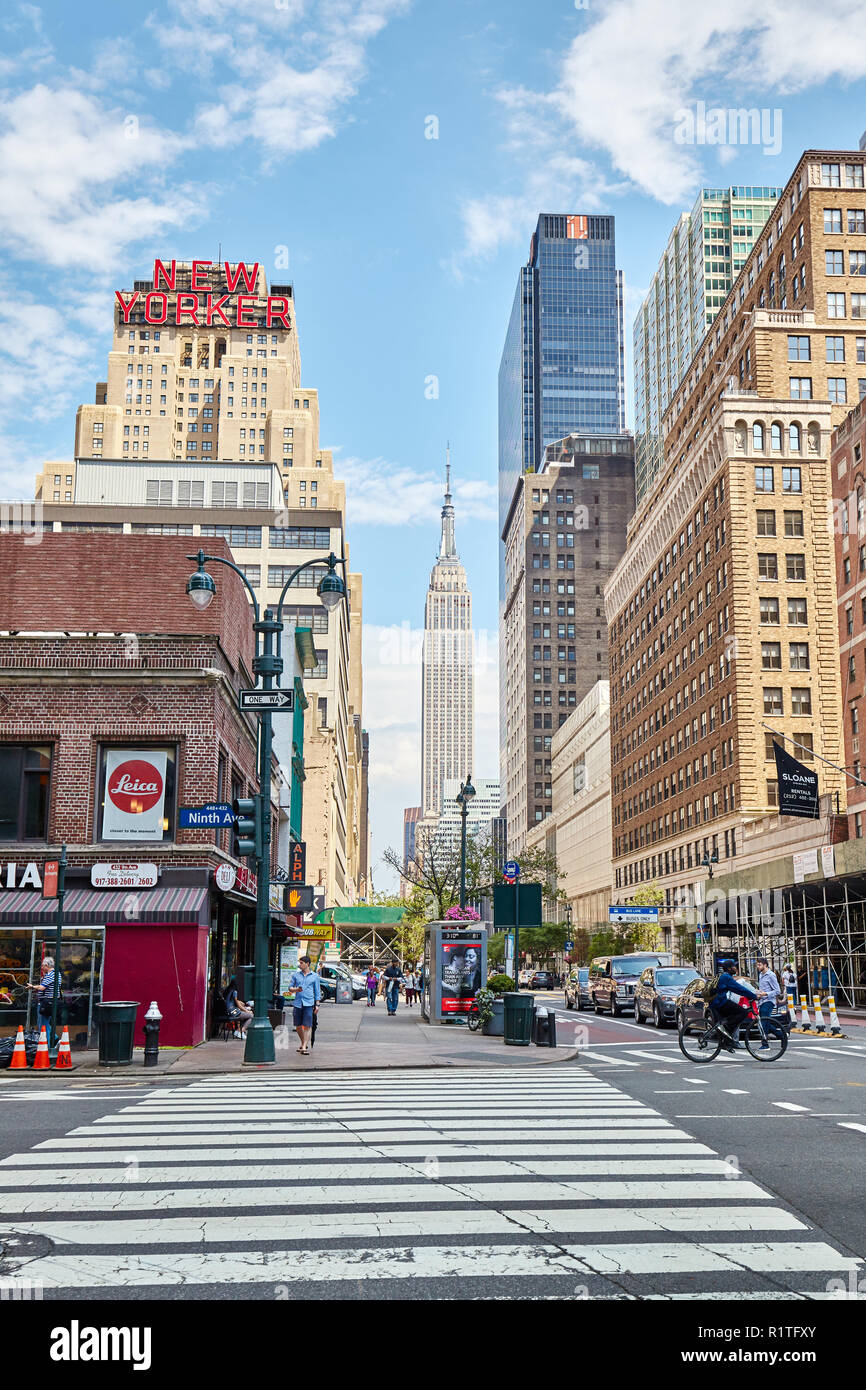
pixel 819 927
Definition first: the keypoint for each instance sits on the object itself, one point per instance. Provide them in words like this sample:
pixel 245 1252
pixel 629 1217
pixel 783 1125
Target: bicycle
pixel 765 1039
pixel 473 1017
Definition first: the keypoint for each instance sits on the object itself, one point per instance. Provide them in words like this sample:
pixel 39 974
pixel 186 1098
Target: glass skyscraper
pixel 706 251
pixel 561 371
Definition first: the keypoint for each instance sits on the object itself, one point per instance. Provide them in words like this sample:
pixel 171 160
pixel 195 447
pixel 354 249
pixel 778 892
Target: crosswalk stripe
pixel 337 1170
pixel 143 1139
pixel 565 1157
pixel 547 1182
pixel 602 1057
pixel 214 1230
pixel 425 1262
pixel 302 1197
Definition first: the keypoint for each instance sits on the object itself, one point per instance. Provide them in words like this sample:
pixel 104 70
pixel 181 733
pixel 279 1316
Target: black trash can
pixel 544 1028
pixel 116 1022
pixel 518 1019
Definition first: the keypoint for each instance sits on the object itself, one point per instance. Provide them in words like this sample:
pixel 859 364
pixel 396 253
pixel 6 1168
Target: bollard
pixel 835 1030
pixel 152 1020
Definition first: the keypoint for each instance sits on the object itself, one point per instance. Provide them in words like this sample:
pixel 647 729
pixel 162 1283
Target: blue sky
pixel 302 125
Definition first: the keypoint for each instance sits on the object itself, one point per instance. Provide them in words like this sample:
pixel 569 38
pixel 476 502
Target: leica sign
pixel 134 794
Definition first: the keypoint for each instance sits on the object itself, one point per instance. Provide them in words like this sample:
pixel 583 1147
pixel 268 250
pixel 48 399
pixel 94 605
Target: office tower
pixel 706 250
pixel 561 374
pixel 447 693
pixel 723 611
pixel 565 535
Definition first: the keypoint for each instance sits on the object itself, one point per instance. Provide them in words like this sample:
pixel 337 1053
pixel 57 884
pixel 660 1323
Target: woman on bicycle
pixel 728 1014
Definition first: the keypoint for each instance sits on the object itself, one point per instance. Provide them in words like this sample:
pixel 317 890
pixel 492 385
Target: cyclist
pixel 727 1014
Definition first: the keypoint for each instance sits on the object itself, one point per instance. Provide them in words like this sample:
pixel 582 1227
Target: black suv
pixel 543 979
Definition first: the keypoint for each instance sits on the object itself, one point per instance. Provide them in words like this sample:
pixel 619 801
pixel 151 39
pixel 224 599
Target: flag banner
pixel 798 786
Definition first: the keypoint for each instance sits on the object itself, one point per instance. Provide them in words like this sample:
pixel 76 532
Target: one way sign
pixel 281 701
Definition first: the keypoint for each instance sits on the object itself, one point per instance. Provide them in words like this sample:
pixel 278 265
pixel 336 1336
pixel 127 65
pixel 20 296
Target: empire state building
pixel 447 699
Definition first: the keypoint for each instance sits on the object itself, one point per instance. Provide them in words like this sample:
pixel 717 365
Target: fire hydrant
pixel 152 1020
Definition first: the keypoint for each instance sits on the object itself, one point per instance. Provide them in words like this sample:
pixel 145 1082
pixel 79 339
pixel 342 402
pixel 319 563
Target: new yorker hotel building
pixel 722 611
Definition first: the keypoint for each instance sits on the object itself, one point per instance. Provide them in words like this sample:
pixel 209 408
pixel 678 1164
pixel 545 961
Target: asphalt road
pixel 807 1156
pixel 631 1174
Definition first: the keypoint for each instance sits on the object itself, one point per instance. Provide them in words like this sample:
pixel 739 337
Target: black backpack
pixel 710 988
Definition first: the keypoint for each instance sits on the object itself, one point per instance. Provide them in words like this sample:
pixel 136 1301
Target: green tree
pixel 408 938
pixel 646 935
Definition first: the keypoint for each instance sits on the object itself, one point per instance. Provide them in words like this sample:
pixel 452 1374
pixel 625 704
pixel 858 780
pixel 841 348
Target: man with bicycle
pixel 728 1014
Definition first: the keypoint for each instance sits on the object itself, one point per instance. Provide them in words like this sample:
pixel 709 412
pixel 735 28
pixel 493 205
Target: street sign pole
pixel 259 1048
pixel 58 936
pixel 517 933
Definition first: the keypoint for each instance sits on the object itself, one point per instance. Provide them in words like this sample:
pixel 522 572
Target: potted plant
pixel 493 1013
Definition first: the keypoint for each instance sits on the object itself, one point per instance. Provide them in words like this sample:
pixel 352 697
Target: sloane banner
pixel 798 786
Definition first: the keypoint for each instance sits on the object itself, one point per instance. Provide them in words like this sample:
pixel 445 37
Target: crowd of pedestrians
pixel 388 983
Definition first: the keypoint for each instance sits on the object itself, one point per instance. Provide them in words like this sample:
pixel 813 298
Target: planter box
pixel 495 1027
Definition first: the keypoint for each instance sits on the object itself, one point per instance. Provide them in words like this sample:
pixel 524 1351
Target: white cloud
pixel 67 167
pixel 387 494
pixel 619 87
pixel 283 74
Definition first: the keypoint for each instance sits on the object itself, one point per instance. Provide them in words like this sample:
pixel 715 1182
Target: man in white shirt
pixel 768 988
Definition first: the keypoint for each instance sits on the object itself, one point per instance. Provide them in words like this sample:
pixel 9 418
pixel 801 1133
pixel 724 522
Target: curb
pixel 569 1055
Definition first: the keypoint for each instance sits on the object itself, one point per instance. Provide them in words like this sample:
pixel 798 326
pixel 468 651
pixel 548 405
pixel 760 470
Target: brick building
pixel 848 472
pixel 118 707
pixel 723 610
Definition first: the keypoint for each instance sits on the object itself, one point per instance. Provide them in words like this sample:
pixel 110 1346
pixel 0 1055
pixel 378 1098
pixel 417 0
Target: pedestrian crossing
pixel 440 1184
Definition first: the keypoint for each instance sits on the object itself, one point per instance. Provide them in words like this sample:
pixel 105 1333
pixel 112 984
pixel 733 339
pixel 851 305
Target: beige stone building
pixel 722 612
pixel 578 828
pixel 208 432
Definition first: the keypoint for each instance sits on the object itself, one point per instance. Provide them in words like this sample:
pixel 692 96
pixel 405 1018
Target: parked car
pixel 657 991
pixel 577 989
pixel 543 979
pixel 523 979
pixel 691 1005
pixel 329 974
pixel 612 979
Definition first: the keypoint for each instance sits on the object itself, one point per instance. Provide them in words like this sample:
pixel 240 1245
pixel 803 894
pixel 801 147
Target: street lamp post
pixel 267 663
pixel 464 796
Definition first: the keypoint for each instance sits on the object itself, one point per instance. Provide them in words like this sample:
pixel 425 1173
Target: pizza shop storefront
pixel 146 940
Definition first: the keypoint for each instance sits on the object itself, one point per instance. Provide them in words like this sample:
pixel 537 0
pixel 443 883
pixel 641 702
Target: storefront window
pixel 25 770
pixel 136 794
pixel 21 952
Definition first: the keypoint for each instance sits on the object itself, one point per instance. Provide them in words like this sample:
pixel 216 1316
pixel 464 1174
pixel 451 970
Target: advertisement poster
pixel 134 794
pixel 288 963
pixel 460 974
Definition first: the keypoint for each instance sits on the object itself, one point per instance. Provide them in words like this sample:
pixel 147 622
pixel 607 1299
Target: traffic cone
pixel 792 1012
pixel 64 1055
pixel 835 1030
pixel 805 1022
pixel 819 1017
pixel 19 1052
pixel 42 1061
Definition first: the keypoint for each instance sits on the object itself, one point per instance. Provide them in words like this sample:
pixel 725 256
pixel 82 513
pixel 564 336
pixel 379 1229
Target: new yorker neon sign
pixel 198 305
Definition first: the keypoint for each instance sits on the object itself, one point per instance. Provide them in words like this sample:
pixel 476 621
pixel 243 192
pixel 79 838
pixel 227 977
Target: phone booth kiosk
pixel 455 967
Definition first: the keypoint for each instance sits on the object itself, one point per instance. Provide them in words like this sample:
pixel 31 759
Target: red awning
pixel 92 907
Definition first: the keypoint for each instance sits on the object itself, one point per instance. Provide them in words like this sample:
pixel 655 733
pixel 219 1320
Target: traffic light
pixel 247 829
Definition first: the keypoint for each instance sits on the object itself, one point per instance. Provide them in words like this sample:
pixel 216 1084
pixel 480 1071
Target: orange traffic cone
pixel 64 1056
pixel 42 1061
pixel 19 1053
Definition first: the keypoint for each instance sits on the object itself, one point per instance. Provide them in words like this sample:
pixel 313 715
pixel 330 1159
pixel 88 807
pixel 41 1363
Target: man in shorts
pixel 306 989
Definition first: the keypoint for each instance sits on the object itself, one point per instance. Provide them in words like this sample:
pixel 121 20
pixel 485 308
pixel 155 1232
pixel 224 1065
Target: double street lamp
pixel 464 796
pixel 267 663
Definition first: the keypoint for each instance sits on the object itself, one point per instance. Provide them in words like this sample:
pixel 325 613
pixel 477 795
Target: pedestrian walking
pixel 410 989
pixel 306 989
pixel 392 975
pixel 769 990
pixel 238 1013
pixel 45 994
pixel 372 986
pixel 789 979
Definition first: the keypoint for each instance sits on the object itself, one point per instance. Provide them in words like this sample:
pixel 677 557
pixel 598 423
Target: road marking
pixel 342 1225
pixel 469 1151
pixel 694 1081
pixel 426 1262
pixel 654 1056
pixel 789 1105
pixel 598 1057
pixel 662 1071
pixel 861 1128
pixel 731 1091
pixel 809 1088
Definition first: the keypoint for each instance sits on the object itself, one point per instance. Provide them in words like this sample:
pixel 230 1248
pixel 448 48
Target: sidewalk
pixel 348 1038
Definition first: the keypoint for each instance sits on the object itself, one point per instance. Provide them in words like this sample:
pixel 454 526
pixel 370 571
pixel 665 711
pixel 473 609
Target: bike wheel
pixel 474 1021
pixel 767 1043
pixel 698 1042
